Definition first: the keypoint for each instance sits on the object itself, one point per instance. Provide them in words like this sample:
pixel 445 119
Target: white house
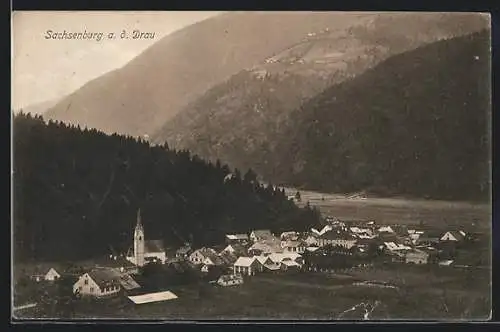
pixel 97 283
pixel 261 235
pixel 52 275
pixel 337 238
pixel 246 266
pixel 199 255
pixel 293 246
pixel 145 251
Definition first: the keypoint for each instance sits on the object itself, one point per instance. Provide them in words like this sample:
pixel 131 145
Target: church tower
pixel 139 241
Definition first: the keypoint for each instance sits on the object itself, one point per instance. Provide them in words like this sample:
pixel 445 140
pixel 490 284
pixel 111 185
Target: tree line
pixel 77 192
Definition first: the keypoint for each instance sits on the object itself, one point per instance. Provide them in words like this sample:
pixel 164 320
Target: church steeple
pixel 139 241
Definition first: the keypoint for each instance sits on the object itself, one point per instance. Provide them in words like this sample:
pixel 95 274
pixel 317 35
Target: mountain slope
pixel 235 121
pixel 39 108
pixel 73 188
pixel 417 124
pixel 392 130
pixel 139 97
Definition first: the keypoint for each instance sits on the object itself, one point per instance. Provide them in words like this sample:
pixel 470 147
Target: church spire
pixel 139 222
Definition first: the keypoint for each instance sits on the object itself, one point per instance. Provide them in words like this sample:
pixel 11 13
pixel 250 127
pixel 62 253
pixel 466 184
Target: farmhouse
pixel 183 252
pixel 246 266
pixel 230 280
pixel 97 283
pixel 145 251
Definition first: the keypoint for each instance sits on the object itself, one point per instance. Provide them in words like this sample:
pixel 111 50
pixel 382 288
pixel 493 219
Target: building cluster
pixel 335 245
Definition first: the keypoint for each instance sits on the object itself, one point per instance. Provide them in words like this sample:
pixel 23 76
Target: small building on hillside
pixel 230 280
pixel 246 266
pixel 416 257
pixel 97 283
pixel 235 249
pixel 48 275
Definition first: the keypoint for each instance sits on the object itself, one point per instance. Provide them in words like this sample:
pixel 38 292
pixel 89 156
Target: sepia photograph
pixel 251 166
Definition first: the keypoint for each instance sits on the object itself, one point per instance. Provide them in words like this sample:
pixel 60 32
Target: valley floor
pixel 416 293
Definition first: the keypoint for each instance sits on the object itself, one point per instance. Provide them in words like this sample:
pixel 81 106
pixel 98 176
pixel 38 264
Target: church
pixel 145 251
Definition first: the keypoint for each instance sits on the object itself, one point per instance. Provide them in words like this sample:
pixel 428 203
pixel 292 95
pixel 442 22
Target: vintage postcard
pixel 251 166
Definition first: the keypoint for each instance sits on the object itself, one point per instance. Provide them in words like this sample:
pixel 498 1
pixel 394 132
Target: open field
pixel 420 293
pixel 399 210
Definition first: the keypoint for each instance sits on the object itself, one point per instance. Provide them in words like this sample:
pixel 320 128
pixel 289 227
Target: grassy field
pixel 399 210
pixel 420 293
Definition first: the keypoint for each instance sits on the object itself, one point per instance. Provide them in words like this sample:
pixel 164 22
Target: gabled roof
pixel 183 250
pixel 205 252
pixel 244 261
pixel 290 263
pixel 104 277
pixel 456 234
pixel 228 258
pixel 263 259
pixel 216 259
pixel 154 246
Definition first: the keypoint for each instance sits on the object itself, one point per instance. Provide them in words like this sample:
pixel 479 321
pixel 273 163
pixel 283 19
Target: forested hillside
pixel 76 193
pixel 417 125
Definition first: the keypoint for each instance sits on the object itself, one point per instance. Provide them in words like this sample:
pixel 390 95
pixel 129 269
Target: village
pixel 148 271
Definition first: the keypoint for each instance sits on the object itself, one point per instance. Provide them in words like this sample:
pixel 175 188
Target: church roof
pixel 154 246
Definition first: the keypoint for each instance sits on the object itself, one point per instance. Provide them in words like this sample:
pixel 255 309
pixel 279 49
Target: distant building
pixel 417 257
pixel 236 249
pixel 145 251
pixel 183 252
pixel 294 246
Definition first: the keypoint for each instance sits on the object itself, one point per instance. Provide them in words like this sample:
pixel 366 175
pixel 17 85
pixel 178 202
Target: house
pixel 416 257
pixel 261 235
pixel 311 240
pixel 391 246
pixel 237 238
pixel 337 238
pixel 52 275
pixel 429 237
pixel 456 236
pixel 143 250
pixel 246 266
pixel 230 280
pixel 198 256
pixel 212 259
pixel 183 252
pixel 293 246
pixel 97 283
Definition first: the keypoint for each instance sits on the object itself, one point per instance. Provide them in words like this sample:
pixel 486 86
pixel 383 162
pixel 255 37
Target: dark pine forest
pixel 77 192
